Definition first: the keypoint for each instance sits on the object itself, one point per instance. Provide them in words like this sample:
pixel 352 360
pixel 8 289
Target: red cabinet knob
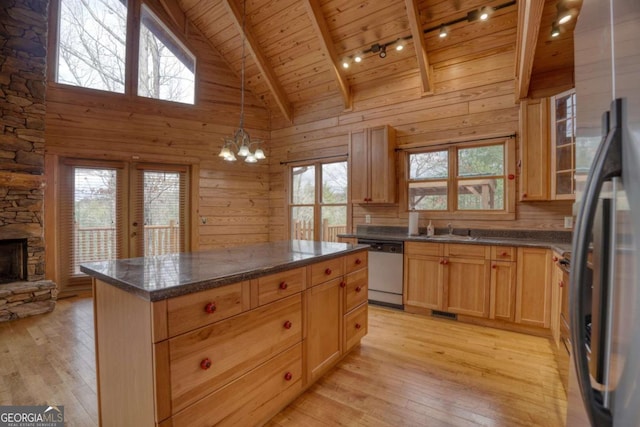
pixel 210 307
pixel 358 288
pixel 358 261
pixel 504 254
pixel 327 271
pixel 343 284
pixel 205 364
pixel 288 376
pixel 358 326
pixel 441 261
pixel 283 285
pixel 511 176
pixel 287 325
pixel 562 283
pixel 555 258
pixel 524 194
pixel 494 266
pixel 445 261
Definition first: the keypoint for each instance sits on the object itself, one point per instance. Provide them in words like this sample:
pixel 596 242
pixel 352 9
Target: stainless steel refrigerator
pixel 604 387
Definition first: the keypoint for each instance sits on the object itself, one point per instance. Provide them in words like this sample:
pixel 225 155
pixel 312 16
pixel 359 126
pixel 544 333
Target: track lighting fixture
pixel 481 14
pixel 555 30
pixel 567 10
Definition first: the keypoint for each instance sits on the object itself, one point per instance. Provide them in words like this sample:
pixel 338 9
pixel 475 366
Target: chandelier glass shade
pixel 240 144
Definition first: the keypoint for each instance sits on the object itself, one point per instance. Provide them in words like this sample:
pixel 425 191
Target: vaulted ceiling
pixel 295 48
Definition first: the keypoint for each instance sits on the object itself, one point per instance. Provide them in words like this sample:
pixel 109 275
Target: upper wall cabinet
pixel 534 149
pixel 372 165
pixel 563 145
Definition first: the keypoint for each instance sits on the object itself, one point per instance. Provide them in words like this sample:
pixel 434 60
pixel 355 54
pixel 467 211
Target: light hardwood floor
pixel 409 371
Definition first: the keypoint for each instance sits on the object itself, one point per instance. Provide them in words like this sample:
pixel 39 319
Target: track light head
pixel 555 30
pixel 383 51
pixel 444 32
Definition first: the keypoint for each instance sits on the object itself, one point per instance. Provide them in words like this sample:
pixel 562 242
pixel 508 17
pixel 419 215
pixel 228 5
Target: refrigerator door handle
pixel 606 165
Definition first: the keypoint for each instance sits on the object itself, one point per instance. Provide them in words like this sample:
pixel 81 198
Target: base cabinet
pixel 533 292
pixel 467 286
pixel 503 287
pixel 234 355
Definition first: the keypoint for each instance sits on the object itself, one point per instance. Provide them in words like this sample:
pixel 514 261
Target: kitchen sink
pixel 450 237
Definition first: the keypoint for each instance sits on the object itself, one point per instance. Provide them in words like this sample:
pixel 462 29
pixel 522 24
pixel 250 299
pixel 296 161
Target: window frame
pixel 131 54
pixel 317 199
pixel 508 213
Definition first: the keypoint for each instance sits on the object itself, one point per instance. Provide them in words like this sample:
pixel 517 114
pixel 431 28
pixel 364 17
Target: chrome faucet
pixel 450 229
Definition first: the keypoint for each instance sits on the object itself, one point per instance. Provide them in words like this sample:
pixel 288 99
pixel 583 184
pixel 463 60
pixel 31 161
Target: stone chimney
pixel 23 63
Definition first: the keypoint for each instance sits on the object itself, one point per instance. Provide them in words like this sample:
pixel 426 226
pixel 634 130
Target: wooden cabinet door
pixel 359 167
pixel 556 298
pixel 382 171
pixel 503 290
pixel 533 290
pixel 423 281
pixel 324 327
pixel 534 149
pixel 467 282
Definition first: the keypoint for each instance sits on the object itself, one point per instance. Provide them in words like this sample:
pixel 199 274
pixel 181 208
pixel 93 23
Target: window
pixel 92 36
pixel 92 51
pixel 165 67
pixel 460 178
pixel 318 205
pixel 563 145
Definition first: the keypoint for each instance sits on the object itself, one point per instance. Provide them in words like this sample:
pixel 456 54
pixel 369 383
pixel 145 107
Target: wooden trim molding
pixel 420 46
pixel 529 18
pixel 261 62
pixel 322 30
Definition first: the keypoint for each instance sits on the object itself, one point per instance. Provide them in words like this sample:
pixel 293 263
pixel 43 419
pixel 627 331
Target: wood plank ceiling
pixel 295 48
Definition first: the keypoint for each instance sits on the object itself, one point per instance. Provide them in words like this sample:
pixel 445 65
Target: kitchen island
pixel 227 336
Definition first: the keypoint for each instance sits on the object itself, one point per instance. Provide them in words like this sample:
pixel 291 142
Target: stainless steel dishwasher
pixel 385 272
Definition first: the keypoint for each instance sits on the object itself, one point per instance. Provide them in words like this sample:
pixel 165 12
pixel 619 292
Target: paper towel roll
pixel 413 223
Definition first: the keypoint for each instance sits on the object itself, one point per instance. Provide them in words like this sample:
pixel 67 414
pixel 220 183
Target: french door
pixel 112 210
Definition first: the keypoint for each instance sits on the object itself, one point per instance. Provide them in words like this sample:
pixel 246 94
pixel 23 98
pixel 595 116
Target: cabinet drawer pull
pixel 358 261
pixel 327 271
pixel 494 266
pixel 358 326
pixel 288 376
pixel 205 364
pixel 283 285
pixel 210 307
pixel 358 288
pixel 445 261
pixel 343 284
pixel 287 324
pixel 555 258
pixel 504 254
pixel 561 283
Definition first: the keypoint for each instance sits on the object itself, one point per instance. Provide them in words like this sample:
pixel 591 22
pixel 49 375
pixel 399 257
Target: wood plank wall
pixel 233 197
pixel 474 98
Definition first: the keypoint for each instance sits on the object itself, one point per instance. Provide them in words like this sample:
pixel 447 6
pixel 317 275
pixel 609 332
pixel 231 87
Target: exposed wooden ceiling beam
pixel 322 30
pixel 529 18
pixel 175 13
pixel 261 62
pixel 421 48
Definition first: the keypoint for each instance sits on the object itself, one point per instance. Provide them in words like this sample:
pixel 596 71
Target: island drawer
pixel 327 270
pixel 280 285
pixel 356 261
pixel 356 289
pixel 251 399
pixel 418 248
pixel 503 253
pixel 206 359
pixel 188 312
pixel 355 326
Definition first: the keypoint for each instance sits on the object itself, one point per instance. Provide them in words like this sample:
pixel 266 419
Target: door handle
pixel 606 165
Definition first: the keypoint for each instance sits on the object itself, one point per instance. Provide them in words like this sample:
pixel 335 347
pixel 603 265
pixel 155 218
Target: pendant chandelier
pixel 240 142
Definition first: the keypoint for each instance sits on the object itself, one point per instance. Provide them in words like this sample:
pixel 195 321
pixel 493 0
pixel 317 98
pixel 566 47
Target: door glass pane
pixel 302 223
pixel 480 161
pixel 428 195
pixel 303 185
pixel 161 212
pixel 91 44
pixel 429 165
pixel 94 224
pixel 334 222
pixel 334 182
pixel 481 194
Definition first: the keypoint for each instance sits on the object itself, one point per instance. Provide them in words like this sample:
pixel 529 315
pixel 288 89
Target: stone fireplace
pixel 23 59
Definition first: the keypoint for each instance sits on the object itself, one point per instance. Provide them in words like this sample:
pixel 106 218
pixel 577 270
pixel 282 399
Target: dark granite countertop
pixel 161 277
pixel 559 241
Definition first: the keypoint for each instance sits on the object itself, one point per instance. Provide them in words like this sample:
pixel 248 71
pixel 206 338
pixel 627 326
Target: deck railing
pixel 303 230
pixel 100 243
